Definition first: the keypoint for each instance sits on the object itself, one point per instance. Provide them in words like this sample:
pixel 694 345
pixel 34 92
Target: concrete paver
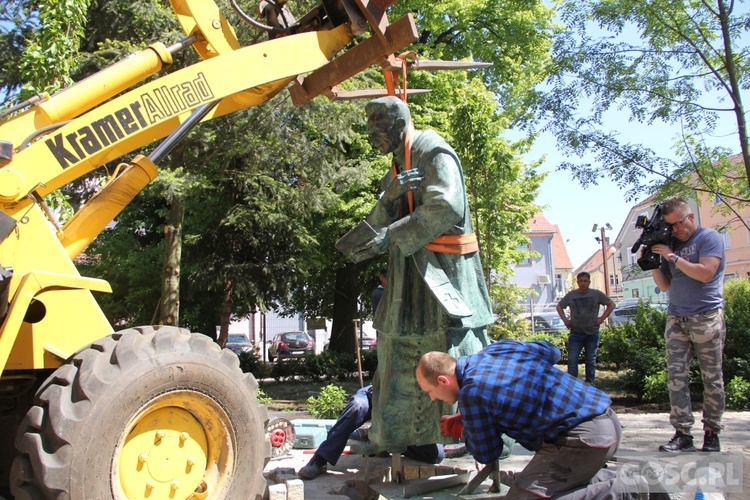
pixel 642 434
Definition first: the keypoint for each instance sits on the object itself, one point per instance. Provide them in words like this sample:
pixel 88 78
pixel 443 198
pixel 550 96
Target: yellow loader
pixel 150 412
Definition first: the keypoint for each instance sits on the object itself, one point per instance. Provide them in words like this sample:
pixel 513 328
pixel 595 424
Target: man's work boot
pixel 679 442
pixel 315 467
pixel 711 442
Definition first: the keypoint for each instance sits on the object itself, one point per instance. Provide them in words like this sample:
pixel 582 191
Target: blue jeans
pixel 576 342
pixel 357 412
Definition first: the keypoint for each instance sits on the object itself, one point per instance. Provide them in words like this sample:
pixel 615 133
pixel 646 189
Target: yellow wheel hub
pixel 164 456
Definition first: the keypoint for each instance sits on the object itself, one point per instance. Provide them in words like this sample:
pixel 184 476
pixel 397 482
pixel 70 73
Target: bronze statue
pixel 436 298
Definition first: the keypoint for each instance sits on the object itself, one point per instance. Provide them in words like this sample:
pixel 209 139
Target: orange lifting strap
pixel 457 244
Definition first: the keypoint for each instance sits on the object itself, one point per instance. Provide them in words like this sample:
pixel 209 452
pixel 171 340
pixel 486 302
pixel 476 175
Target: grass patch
pixel 292 395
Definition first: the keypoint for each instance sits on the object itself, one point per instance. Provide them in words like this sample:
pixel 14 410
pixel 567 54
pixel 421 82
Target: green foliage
pixel 269 190
pixel 329 404
pixel 735 367
pixel 737 317
pixel 559 341
pixel 515 36
pixel 506 305
pixel 655 389
pixel 250 362
pixel 50 57
pixel 369 363
pixel 264 398
pixel 637 347
pixel 615 346
pixel 289 369
pixel 511 328
pixel 329 365
pixel 665 62
pixel 738 394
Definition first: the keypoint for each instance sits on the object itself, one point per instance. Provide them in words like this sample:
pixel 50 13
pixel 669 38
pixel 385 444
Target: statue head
pixel 387 121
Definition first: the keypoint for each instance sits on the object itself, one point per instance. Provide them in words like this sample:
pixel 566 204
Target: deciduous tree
pixel 667 64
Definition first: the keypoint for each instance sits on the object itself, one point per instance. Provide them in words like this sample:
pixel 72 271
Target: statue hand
pixel 379 244
pixel 409 180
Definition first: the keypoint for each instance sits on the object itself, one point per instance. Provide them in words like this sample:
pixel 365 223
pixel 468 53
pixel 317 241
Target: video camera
pixel 656 230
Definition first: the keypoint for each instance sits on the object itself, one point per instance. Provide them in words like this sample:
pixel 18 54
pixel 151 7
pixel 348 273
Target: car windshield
pixel 237 339
pixel 294 336
pixel 630 302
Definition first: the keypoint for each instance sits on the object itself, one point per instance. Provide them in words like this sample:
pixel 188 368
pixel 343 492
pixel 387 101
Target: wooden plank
pixel 421 486
pixel 479 478
pixel 357 59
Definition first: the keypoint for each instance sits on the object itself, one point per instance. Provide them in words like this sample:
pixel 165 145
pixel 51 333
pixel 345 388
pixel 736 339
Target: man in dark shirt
pixel 513 388
pixel 584 323
pixel 378 292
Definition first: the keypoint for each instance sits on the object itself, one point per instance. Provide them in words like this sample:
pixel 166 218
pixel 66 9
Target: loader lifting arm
pixel 58 139
pixel 150 412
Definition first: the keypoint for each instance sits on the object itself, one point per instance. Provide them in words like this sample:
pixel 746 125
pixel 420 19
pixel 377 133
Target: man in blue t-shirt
pixel 692 269
pixel 584 323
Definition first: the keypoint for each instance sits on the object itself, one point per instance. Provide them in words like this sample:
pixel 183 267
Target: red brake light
pixel 283 345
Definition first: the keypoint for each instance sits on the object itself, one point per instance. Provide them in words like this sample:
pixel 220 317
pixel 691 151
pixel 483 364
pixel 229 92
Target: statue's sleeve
pixel 442 205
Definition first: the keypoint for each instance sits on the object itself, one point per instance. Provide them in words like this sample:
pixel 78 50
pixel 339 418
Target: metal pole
pixel 604 262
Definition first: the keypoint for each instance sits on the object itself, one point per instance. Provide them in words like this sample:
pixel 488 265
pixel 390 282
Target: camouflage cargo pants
pixel 701 335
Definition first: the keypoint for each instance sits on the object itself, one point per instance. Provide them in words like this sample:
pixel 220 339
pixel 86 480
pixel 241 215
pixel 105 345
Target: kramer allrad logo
pixel 150 108
pixel 685 473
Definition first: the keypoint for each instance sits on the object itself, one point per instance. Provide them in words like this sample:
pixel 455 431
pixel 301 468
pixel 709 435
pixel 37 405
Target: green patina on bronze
pixel 433 300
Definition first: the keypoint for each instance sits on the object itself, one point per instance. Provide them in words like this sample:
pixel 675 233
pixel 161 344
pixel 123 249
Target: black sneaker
pixel 711 442
pixel 680 442
pixel 315 467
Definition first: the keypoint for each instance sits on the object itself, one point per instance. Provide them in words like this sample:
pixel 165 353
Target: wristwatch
pixel 673 258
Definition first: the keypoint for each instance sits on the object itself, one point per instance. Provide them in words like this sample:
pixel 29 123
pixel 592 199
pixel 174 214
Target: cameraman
pixel 693 272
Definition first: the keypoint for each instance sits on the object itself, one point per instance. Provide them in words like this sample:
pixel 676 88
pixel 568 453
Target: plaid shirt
pixel 513 388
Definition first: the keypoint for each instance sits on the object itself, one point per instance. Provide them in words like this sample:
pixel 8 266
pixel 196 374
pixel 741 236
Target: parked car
pixel 366 343
pixel 291 345
pixel 238 344
pixel 626 310
pixel 548 323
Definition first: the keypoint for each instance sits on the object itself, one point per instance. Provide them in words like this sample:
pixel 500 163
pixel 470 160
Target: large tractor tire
pixel 146 413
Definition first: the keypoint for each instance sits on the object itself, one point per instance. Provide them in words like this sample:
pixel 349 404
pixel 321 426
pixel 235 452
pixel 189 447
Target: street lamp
pixel 605 227
pixel 613 249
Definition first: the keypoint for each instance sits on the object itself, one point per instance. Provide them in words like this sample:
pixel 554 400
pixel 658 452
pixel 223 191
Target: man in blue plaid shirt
pixel 514 388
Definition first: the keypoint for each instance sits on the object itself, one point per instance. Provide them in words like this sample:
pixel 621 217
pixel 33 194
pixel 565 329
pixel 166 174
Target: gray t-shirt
pixel 584 309
pixel 687 296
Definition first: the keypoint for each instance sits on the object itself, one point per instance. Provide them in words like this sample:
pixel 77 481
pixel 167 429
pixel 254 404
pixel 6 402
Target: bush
pixel 615 345
pixel 329 404
pixel 264 398
pixel 736 367
pixel 559 341
pixel 737 316
pixel 288 369
pixel 738 394
pixel 655 387
pixel 512 329
pixel 328 365
pixel 250 362
pixel 637 347
pixel 369 363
